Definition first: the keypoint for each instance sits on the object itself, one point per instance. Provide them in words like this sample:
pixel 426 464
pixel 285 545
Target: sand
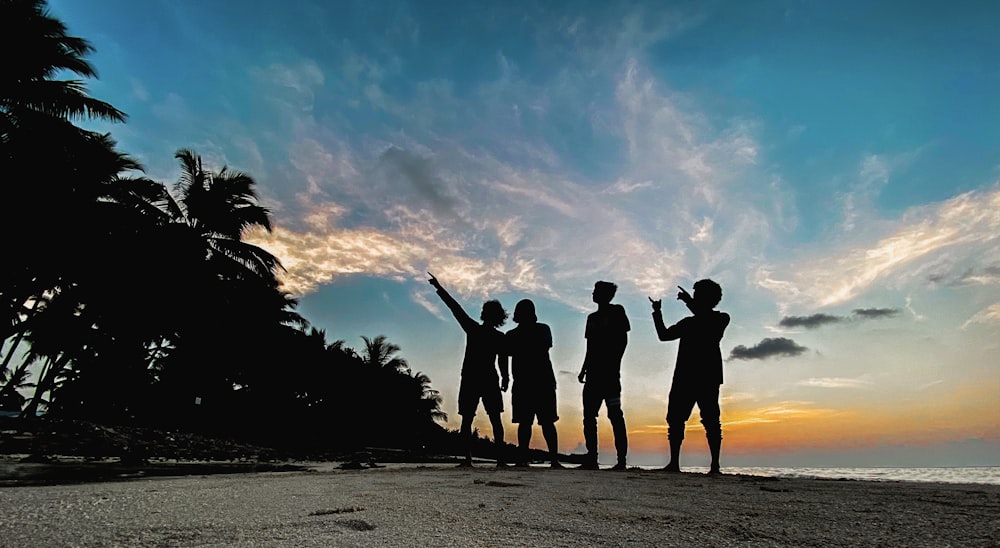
pixel 441 505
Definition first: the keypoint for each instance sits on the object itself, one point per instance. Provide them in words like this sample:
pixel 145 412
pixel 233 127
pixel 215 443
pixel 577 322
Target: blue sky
pixel 835 166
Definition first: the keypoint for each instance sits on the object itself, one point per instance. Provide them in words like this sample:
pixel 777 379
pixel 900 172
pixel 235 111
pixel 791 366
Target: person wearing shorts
pixel 698 370
pixel 484 354
pixel 533 396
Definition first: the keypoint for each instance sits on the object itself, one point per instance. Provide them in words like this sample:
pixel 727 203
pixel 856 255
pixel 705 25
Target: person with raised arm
pixel 484 355
pixel 698 371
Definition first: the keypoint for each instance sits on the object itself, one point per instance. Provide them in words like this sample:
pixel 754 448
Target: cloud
pixel 989 275
pixel 875 313
pixel 419 172
pixel 988 315
pixel 817 320
pixel 966 226
pixel 809 322
pixel 835 382
pixel 768 348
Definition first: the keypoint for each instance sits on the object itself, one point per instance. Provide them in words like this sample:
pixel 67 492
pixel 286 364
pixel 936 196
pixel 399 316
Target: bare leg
pixel 523 441
pixel 466 433
pixel 552 440
pixel 498 439
pixel 676 437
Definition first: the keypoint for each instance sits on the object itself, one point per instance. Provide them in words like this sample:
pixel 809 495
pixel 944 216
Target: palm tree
pixel 37 50
pixel 36 129
pixel 379 353
pixel 220 206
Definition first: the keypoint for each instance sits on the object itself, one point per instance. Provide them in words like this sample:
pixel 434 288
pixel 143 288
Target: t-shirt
pixel 528 346
pixel 699 358
pixel 607 336
pixel 482 343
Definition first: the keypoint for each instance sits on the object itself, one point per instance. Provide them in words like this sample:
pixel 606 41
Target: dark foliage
pixel 129 303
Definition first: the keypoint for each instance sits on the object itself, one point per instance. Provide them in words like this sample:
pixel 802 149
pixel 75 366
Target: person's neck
pixel 603 306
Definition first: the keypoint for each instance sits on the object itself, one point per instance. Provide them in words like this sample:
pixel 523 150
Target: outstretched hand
pixel 657 304
pixel 683 295
pixel 434 281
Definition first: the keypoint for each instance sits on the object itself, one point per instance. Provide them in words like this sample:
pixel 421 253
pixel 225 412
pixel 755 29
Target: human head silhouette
pixel 707 293
pixel 604 292
pixel 524 312
pixel 493 314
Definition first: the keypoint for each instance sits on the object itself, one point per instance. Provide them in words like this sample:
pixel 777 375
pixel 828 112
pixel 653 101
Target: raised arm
pixel 456 309
pixel 663 332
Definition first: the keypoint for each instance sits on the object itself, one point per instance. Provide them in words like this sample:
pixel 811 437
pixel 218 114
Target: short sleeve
pixel 623 319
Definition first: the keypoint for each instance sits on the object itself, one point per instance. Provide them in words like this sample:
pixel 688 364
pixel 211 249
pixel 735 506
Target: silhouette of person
pixel 483 355
pixel 534 392
pixel 698 371
pixel 607 335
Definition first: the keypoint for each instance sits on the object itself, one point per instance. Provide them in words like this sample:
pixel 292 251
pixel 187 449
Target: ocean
pixel 968 474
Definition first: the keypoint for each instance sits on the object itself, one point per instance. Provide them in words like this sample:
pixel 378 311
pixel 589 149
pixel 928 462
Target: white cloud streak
pixel 967 225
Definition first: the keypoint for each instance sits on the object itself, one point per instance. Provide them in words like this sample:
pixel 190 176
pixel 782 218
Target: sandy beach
pixel 441 505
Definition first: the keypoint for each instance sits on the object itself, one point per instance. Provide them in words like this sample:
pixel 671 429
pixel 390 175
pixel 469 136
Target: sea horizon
pixel 987 475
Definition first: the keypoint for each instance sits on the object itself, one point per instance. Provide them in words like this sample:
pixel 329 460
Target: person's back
pixel 528 346
pixel 607 336
pixel 534 392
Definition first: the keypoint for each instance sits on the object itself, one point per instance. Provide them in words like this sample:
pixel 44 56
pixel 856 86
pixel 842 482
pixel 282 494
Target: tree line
pixel 128 300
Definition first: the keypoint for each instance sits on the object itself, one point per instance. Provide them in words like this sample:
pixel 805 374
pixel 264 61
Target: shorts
pixel 682 399
pixel 472 390
pixel 533 403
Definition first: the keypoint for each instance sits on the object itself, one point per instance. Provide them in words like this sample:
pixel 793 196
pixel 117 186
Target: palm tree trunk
pixel 46 380
pixel 17 341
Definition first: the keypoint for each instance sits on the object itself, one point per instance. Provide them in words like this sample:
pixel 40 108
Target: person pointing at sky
pixel 698 371
pixel 484 354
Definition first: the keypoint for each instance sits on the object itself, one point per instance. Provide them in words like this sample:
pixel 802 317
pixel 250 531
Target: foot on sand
pixel 556 465
pixel 672 468
pixel 619 466
pixel 589 466
pixel 465 464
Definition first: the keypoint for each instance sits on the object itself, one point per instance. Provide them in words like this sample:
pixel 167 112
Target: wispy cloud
pixel 968 224
pixel 836 382
pixel 489 221
pixel 988 315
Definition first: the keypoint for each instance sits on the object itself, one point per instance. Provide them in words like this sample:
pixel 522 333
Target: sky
pixel 835 166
